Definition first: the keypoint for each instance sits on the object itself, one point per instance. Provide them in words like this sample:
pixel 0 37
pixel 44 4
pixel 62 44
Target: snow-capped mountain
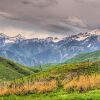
pixel 50 50
pixel 83 36
pixel 4 39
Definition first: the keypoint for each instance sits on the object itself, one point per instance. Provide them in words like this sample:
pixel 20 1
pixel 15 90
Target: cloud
pixel 40 3
pixel 51 16
pixel 70 25
pixel 4 14
pixel 11 31
pixel 58 28
pixel 9 16
pixel 75 21
pixel 89 1
pixel 93 3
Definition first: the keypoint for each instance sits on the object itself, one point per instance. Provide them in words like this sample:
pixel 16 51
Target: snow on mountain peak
pixel 95 32
pixel 78 37
pixel 13 39
pixel 83 36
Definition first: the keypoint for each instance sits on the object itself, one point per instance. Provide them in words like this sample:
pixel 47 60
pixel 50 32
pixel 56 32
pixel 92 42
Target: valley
pixel 60 81
pixel 49 50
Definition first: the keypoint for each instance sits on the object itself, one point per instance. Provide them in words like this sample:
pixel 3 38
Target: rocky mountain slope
pixel 42 51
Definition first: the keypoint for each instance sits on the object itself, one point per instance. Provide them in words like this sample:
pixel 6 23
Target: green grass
pixel 10 70
pixel 57 95
pixel 92 56
pixel 58 72
pixel 62 71
pixel 44 66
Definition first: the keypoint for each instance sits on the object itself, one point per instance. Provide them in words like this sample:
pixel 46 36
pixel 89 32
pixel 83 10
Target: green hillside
pixel 10 70
pixel 43 67
pixel 63 71
pixel 51 83
pixel 93 56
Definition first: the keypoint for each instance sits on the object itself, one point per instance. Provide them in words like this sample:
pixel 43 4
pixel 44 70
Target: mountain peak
pixel 8 39
pixel 95 32
pixel 82 36
pixel 3 35
pixel 19 37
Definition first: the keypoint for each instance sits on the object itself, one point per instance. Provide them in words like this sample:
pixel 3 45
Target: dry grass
pixel 38 87
pixel 83 83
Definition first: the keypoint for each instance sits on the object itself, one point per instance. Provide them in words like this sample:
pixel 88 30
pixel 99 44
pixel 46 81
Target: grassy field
pixel 57 95
pixel 70 77
pixel 77 81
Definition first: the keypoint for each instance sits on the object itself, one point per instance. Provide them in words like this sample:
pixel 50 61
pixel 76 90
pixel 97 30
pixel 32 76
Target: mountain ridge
pixel 79 37
pixel 33 52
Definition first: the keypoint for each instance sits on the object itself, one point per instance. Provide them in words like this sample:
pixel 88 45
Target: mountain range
pixel 32 52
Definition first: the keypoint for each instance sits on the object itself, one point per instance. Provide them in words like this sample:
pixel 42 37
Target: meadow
pixel 59 82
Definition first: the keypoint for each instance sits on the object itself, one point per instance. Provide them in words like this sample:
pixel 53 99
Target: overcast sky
pixel 42 18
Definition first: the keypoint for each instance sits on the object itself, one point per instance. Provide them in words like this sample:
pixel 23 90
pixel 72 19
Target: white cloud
pixel 40 3
pixel 11 31
pixel 49 16
pixel 5 14
pixel 75 21
pixel 92 3
pixel 95 1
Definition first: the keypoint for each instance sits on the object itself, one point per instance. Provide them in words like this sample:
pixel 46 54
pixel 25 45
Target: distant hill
pixel 93 56
pixel 10 70
pixel 44 67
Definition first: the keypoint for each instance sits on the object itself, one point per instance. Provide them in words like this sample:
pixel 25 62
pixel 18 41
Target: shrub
pixel 83 83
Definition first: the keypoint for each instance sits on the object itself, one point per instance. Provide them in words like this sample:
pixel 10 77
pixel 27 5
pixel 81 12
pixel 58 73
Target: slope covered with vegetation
pixel 68 77
pixel 77 81
pixel 43 67
pixel 10 70
pixel 92 56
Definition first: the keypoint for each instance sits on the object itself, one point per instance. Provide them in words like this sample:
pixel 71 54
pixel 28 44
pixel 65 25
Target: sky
pixel 46 18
